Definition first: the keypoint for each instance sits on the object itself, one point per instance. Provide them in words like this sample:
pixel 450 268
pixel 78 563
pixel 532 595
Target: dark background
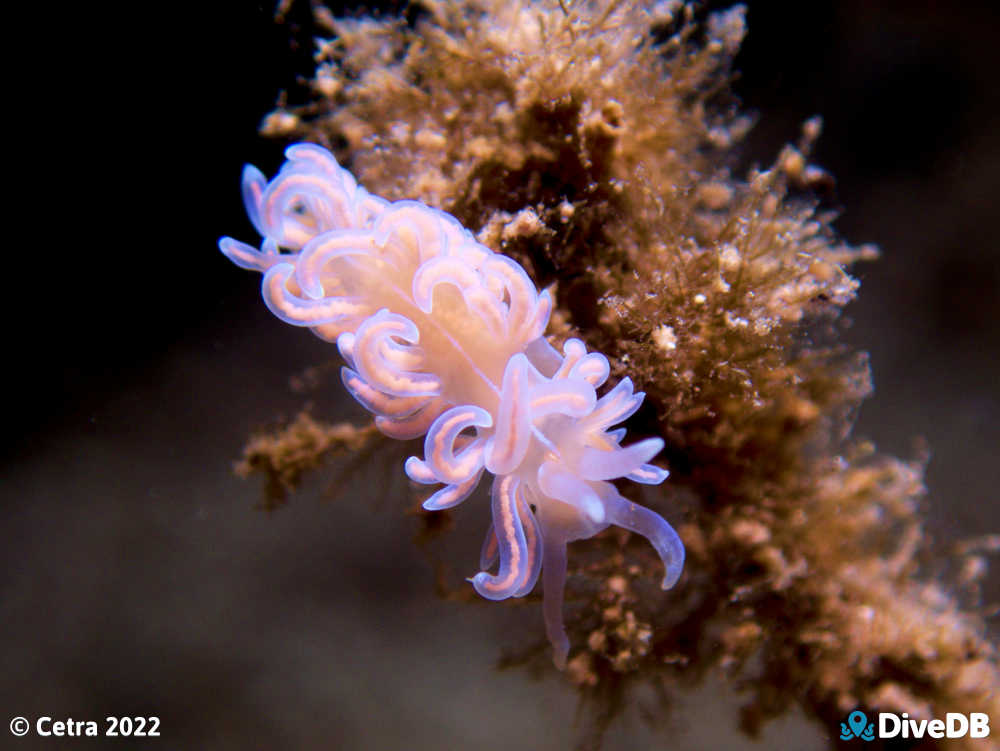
pixel 137 577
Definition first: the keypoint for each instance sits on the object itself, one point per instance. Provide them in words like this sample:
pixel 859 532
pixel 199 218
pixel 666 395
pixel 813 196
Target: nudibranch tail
pixel 444 338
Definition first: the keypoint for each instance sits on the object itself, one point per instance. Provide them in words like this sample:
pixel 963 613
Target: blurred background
pixel 138 577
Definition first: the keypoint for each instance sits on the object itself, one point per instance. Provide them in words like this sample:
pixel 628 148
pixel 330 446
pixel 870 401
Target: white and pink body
pixel 444 337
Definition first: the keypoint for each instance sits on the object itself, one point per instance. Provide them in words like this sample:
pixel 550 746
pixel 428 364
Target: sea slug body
pixel 445 338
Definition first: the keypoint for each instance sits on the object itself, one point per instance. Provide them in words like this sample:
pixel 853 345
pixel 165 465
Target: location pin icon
pixel 857 721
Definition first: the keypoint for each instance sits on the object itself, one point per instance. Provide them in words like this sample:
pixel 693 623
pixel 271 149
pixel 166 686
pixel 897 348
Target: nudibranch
pixel 444 337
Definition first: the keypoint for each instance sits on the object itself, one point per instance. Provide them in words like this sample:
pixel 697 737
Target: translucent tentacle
pixel 578 363
pixel 412 228
pixel 384 363
pixel 523 297
pixel 573 351
pixel 595 464
pixel 325 249
pixel 248 257
pixel 533 542
pixel 593 368
pixel 648 474
pixel 650 525
pixel 573 398
pixel 554 586
pixel 488 309
pixel 614 407
pixel 300 311
pixel 452 495
pixel 300 205
pixel 420 471
pixel 377 402
pixel 322 161
pixel 510 537
pixel 453 270
pixel 310 195
pixel 253 185
pixel 441 270
pixel 439 446
pixel 506 448
pixel 539 321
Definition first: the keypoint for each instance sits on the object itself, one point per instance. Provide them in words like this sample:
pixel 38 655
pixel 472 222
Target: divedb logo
pixel 954 725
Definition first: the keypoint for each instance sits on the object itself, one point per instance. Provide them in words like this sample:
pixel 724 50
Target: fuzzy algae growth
pixel 591 142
